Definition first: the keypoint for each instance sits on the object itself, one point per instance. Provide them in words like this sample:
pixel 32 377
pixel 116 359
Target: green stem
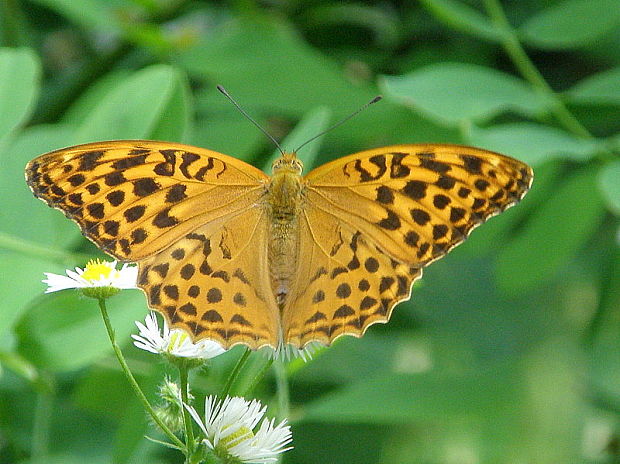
pixel 132 381
pixel 41 427
pixel 529 71
pixel 235 373
pixel 36 250
pixel 610 297
pixel 282 390
pixel 258 377
pixel 189 430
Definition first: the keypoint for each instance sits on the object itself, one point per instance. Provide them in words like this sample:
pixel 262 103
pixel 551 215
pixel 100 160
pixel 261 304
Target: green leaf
pixel 94 95
pixel 313 122
pixel 240 55
pixel 64 331
pixel 462 17
pixel 605 362
pixel 42 224
pixel 89 14
pixel 451 93
pixel 271 72
pixel 152 102
pixel 609 185
pixel 571 23
pixel 554 233
pixel 382 23
pixel 395 398
pixel 19 86
pixel 21 284
pixel 534 143
pixel 175 121
pixel 602 88
pixel 18 366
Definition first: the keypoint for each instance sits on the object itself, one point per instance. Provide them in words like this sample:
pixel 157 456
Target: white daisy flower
pixel 230 429
pixel 96 275
pixel 175 342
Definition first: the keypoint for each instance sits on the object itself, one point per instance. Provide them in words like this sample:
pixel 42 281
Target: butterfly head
pixel 287 163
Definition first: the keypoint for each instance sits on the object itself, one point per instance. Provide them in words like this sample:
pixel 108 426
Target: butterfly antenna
pixel 232 100
pixel 355 113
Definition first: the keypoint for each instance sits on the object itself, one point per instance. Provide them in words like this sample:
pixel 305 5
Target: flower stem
pixel 529 71
pixel 282 389
pixel 235 373
pixel 189 430
pixel 132 381
pixel 41 429
pixel 35 250
pixel 257 378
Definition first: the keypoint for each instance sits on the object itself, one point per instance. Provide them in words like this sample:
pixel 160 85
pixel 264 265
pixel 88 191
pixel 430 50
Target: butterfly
pixel 228 253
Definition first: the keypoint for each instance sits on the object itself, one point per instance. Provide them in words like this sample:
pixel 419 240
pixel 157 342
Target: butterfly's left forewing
pixel 374 219
pixel 133 198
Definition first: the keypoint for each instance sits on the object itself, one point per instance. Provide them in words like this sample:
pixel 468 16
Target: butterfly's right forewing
pixel 374 219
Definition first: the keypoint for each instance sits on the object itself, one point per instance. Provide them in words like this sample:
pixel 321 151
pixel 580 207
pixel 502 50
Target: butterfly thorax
pixel 284 203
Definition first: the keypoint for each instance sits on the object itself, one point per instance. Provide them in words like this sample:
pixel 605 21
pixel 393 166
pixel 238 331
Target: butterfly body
pixel 284 203
pixel 229 253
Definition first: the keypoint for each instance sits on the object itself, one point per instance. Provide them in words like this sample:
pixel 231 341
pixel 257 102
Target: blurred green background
pixel 509 350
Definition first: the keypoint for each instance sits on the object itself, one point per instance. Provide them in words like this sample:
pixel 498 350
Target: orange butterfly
pixel 229 253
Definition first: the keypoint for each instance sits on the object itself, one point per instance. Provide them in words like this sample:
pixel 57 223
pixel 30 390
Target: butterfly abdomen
pixel 284 201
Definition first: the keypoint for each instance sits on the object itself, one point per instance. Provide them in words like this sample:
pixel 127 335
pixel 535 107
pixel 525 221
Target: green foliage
pixel 509 350
pixel 452 93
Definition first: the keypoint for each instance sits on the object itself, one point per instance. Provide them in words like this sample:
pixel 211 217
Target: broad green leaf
pixel 96 93
pixel 22 283
pixel 533 143
pixel 270 71
pixel 554 233
pixel 405 398
pixel 150 103
pixel 241 55
pixel 601 88
pixel 228 134
pixel 451 93
pixel 175 122
pixel 372 355
pixel 462 17
pixel 19 86
pixel 42 224
pixel 571 23
pixel 64 331
pixel 609 184
pixel 314 122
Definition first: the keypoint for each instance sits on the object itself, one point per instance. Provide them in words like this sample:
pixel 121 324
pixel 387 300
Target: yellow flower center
pixel 233 439
pixel 98 270
pixel 176 339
